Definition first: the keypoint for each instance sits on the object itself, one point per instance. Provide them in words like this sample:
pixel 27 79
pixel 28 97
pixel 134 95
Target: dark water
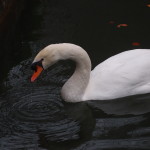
pixel 34 117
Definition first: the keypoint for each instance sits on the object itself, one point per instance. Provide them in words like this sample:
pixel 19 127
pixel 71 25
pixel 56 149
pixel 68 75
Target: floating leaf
pixel 136 44
pixel 148 5
pixel 121 25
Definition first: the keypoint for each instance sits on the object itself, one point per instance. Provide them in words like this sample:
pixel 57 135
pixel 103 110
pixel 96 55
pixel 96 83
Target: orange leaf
pixel 121 25
pixel 136 44
pixel 148 5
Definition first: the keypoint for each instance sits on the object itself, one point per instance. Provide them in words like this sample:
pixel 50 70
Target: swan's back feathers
pixel 127 73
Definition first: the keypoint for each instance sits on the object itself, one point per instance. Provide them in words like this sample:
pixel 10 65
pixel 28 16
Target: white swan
pixel 124 74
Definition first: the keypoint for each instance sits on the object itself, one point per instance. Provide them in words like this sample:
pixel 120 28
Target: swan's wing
pixel 127 73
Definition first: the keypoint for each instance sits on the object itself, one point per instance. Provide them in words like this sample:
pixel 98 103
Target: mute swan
pixel 124 74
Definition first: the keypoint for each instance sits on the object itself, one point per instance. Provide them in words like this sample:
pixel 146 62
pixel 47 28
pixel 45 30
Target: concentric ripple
pixel 37 108
pixel 33 116
pixel 29 112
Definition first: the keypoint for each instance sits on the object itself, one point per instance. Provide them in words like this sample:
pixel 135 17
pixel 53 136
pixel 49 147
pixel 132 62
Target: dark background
pixel 90 24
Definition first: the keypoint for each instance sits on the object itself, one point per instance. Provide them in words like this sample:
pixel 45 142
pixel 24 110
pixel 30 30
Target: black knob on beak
pixel 35 64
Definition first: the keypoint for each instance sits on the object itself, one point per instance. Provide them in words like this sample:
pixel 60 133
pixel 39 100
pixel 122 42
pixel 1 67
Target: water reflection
pixel 33 116
pixel 133 105
pixel 33 111
pixel 119 144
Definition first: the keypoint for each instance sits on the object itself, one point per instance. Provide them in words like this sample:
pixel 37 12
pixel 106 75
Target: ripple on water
pixel 113 144
pixel 30 113
pixel 109 127
pixel 37 108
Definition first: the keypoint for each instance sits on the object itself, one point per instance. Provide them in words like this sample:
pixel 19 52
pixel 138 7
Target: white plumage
pixel 121 75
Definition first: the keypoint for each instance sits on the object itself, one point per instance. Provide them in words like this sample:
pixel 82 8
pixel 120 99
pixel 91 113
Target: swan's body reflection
pixel 132 105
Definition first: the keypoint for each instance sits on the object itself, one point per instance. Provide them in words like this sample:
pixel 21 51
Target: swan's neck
pixel 73 90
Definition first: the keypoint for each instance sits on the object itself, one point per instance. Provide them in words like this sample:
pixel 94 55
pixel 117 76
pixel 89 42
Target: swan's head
pixel 52 54
pixel 44 59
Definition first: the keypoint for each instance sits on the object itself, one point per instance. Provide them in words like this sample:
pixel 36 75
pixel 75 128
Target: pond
pixel 33 116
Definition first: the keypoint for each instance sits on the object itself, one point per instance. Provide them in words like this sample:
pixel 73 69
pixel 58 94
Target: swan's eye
pixel 35 64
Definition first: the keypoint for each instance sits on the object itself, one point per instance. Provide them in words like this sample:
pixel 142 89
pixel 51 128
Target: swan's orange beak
pixel 36 73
